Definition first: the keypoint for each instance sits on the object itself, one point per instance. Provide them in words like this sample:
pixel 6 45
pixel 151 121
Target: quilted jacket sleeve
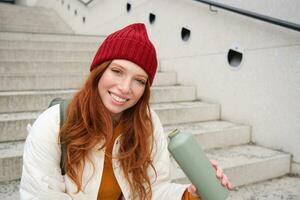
pixel 41 175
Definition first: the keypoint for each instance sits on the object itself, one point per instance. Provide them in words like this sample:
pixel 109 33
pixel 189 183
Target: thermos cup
pixel 192 160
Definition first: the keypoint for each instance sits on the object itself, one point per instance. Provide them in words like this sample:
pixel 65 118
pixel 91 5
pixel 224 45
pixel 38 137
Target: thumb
pixel 192 189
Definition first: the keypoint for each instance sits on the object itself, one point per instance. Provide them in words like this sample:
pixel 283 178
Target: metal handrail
pixel 265 18
pixel 86 3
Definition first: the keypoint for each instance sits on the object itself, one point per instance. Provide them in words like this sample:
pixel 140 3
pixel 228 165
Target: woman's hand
pixel 220 175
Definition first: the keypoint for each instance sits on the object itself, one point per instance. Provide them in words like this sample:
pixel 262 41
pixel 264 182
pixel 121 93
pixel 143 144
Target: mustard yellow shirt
pixel 109 188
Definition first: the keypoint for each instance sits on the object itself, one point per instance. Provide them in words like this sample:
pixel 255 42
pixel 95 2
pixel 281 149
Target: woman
pixel 115 143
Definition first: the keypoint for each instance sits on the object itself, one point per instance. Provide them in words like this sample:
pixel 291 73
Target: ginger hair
pixel 89 123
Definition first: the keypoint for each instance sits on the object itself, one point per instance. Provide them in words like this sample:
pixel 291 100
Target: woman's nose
pixel 125 86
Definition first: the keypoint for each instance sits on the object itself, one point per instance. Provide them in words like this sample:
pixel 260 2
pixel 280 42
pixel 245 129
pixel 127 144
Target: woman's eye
pixel 116 71
pixel 142 82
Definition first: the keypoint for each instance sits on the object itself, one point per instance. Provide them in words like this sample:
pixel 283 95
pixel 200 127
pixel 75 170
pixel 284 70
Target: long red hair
pixel 88 123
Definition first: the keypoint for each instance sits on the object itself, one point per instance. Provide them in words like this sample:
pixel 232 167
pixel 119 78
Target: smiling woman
pixel 115 144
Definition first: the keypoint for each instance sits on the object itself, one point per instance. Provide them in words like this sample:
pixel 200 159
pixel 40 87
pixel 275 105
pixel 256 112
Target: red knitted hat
pixel 131 43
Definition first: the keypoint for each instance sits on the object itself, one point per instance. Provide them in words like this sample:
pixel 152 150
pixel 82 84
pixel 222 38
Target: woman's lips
pixel 118 98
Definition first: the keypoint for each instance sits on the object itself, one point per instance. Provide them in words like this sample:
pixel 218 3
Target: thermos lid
pixel 173 133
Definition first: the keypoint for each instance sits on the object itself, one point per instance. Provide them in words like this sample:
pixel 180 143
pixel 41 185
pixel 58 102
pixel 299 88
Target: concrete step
pixel 13 125
pixel 29 19
pixel 244 164
pixel 21 101
pixel 165 79
pixel 215 134
pixel 45 21
pixel 65 79
pixel 46 55
pixel 16 82
pixel 184 112
pixel 11 10
pixel 11 160
pixel 32 28
pixel 284 188
pixel 172 94
pixel 54 37
pixel 10 190
pixel 43 45
pixel 30 68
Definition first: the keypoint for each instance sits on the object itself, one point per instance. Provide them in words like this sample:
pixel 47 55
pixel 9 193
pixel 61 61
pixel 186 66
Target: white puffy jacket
pixel 41 175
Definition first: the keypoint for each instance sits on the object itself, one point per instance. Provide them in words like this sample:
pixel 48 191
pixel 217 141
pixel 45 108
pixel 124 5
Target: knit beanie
pixel 131 43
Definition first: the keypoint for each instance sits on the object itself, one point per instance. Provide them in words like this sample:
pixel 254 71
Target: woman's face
pixel 121 86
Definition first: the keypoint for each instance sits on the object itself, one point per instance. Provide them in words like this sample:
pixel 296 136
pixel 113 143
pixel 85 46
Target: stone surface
pixel 23 101
pixel 10 190
pixel 172 94
pixel 165 78
pixel 54 37
pixel 13 125
pixel 46 55
pixel 74 80
pixel 295 168
pixel 30 68
pixel 7 44
pixel 285 188
pixel 11 160
pixel 26 19
pixel 16 82
pixel 244 164
pixel 183 112
pixel 215 134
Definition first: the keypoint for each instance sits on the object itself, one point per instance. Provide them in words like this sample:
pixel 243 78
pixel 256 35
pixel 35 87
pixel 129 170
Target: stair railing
pixel 265 18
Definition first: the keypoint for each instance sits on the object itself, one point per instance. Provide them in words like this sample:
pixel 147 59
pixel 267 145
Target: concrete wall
pixel 92 18
pixel 263 91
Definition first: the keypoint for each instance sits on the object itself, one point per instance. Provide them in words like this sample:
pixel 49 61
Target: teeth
pixel 118 99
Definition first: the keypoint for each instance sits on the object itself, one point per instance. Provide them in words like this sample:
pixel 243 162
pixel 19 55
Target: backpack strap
pixel 63 105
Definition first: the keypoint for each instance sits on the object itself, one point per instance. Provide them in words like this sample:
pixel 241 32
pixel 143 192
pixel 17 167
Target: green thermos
pixel 192 160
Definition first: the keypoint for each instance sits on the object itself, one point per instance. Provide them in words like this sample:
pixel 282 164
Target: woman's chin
pixel 116 115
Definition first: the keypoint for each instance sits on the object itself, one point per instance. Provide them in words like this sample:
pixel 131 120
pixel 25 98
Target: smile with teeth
pixel 117 98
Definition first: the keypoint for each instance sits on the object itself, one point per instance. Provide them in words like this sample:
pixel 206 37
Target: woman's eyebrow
pixel 118 65
pixel 142 76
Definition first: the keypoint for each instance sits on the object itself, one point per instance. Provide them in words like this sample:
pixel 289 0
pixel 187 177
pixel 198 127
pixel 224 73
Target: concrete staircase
pixel 25 19
pixel 41 59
